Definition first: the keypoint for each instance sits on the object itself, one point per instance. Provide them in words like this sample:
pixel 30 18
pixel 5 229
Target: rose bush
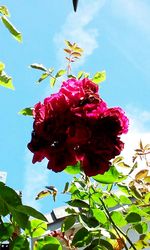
pixel 74 125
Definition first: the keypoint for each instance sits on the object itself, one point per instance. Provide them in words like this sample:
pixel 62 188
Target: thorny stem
pixel 117 229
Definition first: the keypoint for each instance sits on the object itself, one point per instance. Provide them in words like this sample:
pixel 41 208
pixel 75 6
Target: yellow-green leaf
pixel 43 194
pixel 43 76
pixel 2 67
pixel 15 33
pixel 4 11
pixel 6 81
pixel 60 73
pixel 69 45
pixel 99 77
pixel 26 111
pixel 52 81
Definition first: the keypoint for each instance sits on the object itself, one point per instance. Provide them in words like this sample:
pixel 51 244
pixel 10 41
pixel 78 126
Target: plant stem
pixel 117 228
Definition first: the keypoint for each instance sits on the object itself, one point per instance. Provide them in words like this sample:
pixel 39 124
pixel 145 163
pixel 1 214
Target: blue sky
pixel 115 35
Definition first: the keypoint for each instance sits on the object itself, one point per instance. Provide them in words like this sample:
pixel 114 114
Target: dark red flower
pixel 76 125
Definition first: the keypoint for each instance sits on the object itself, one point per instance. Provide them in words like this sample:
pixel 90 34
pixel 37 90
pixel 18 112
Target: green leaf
pixel 66 188
pixel 111 176
pixel 10 196
pixel 43 194
pixel 81 238
pixel 20 218
pixel 6 230
pixel 118 218
pixel 141 228
pixel 80 74
pixel 2 67
pixel 20 243
pixel 99 77
pixel 78 203
pixel 36 228
pixel 52 81
pixel 133 217
pixel 16 34
pixel 68 223
pixel 73 169
pixel 60 73
pixel 38 66
pixel 4 11
pixel 90 223
pixel 6 81
pixel 43 77
pixel 125 200
pixel 123 188
pixel 31 212
pixel 99 215
pixel 110 201
pixel 48 243
pixel 26 112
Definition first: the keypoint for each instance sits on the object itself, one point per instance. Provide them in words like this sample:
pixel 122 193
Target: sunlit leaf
pixel 118 159
pixel 125 200
pixel 118 218
pixel 78 49
pixel 111 176
pixel 147 147
pixel 123 188
pixel 141 174
pixel 99 77
pixel 36 228
pixel 4 11
pixel 60 73
pixel 26 112
pixel 43 194
pixel 43 77
pixel 110 201
pixel 38 66
pixel 99 215
pixel 52 81
pixel 47 243
pixel 73 169
pixel 6 81
pixel 69 45
pixel 2 67
pixel 16 34
pixel 80 74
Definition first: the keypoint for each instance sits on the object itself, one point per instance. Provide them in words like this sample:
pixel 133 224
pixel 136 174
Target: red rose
pixel 76 125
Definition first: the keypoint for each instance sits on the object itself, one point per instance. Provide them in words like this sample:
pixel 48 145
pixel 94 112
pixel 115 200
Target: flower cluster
pixel 74 125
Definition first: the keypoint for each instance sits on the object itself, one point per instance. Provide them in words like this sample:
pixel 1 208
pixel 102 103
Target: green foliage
pixel 110 177
pixel 26 112
pixel 99 77
pixel 5 80
pixel 15 33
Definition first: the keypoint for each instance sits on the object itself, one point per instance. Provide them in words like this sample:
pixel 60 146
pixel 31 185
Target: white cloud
pixel 137 132
pixel 75 28
pixel 36 178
